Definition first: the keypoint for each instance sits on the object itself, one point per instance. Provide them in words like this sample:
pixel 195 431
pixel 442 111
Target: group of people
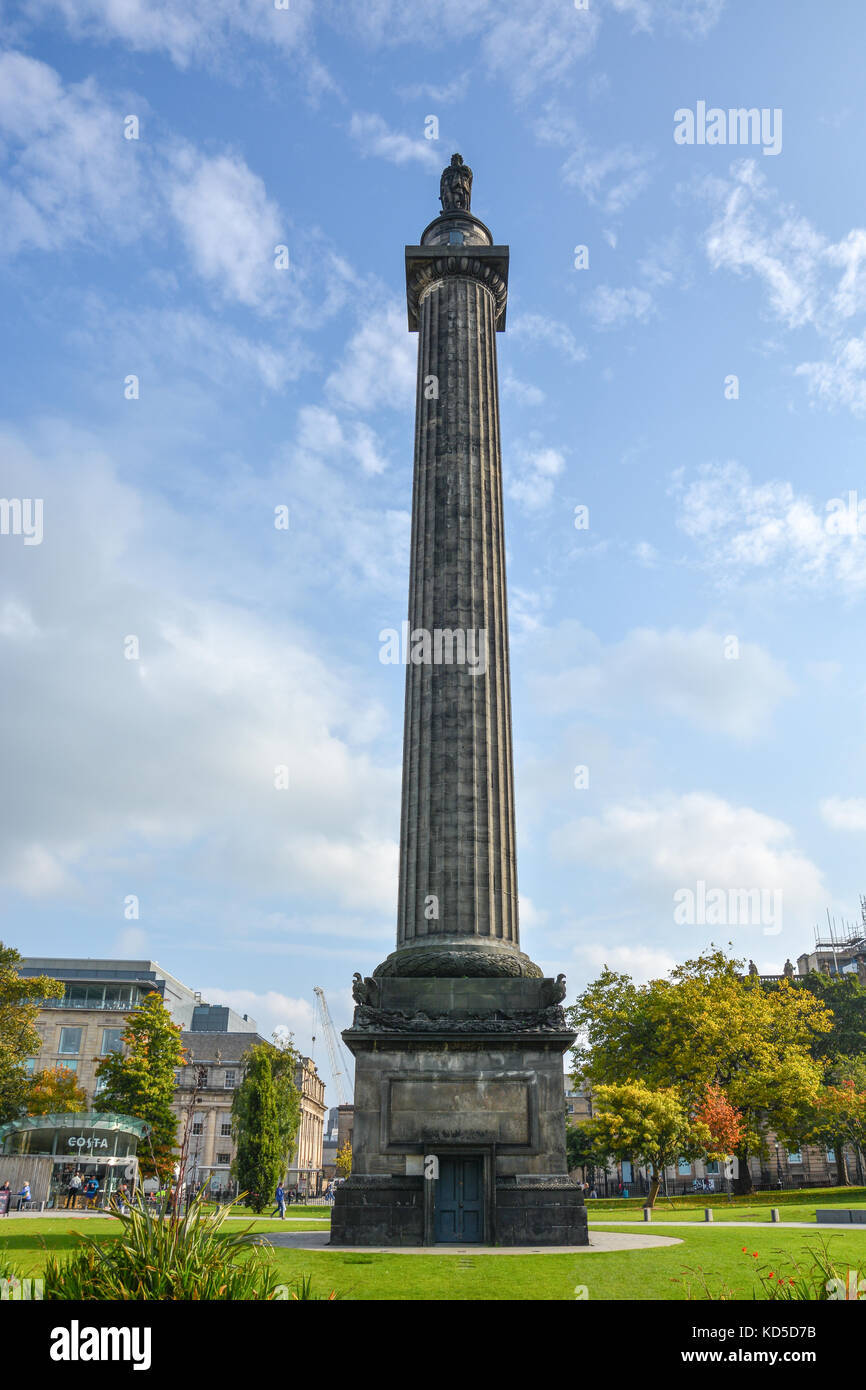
pixel 80 1188
pixel 23 1197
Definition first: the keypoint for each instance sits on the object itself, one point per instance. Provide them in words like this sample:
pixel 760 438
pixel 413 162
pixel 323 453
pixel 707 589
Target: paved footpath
pixel 600 1241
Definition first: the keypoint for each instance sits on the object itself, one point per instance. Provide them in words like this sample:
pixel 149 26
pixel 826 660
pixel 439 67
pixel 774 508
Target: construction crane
pixel 336 1055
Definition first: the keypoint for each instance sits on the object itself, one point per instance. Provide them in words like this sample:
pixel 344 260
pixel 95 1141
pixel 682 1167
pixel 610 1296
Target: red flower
pixel 754 1255
pixel 771 1275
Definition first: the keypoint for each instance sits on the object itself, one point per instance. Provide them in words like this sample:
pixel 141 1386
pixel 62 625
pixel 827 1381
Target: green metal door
pixel 459 1202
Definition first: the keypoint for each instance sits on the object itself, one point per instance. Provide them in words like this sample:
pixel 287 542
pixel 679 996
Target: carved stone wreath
pixel 551 1020
pixel 469 267
pixel 445 964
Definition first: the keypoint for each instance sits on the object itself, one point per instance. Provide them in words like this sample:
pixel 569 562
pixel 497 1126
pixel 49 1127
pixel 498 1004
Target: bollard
pixel 774 1213
pixel 647 1213
pixel 708 1213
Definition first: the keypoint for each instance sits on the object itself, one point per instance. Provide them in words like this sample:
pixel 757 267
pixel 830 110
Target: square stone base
pixel 463 1076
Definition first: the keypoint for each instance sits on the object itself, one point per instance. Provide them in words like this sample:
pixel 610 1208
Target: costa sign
pixel 87 1141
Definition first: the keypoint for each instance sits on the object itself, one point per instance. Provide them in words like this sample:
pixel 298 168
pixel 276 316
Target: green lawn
pixel 621 1275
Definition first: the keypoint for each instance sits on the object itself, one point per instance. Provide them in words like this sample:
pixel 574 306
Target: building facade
pixel 87 1023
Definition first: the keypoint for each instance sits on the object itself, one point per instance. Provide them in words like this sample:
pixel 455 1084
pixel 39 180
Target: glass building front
pixel 89 1143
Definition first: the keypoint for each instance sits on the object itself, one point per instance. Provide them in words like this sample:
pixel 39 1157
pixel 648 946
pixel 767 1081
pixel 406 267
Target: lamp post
pixel 778 1164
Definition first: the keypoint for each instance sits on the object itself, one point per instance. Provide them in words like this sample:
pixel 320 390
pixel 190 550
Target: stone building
pixel 87 1023
pixel 83 1026
pixel 306 1169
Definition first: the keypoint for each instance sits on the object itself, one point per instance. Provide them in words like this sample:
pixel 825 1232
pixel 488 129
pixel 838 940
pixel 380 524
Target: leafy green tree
pixel 140 1081
pixel 580 1149
pixel 284 1066
pixel 260 1159
pixel 20 1002
pixel 845 997
pixel 344 1160
pixel 706 1026
pixel 55 1091
pixel 651 1127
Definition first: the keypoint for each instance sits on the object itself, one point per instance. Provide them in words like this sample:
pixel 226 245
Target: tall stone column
pixel 457 905
pixel 459 1106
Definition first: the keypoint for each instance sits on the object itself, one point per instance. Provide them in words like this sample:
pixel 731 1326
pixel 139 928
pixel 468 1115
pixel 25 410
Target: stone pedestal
pixel 466 1070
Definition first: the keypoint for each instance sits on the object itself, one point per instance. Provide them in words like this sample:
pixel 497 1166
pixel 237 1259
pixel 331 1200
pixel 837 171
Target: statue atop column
pixel 455 186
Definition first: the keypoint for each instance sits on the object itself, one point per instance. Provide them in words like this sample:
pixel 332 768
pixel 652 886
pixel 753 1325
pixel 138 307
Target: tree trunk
pixel 844 1178
pixel 654 1186
pixel 743 1181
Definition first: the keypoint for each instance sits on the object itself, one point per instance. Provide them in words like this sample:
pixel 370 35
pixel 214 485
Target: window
pixel 64 1065
pixel 831 1155
pixel 70 1039
pixel 101 1083
pixel 30 1066
pixel 231 1080
pixel 223 1160
pixel 455 238
pixel 627 1175
pixel 684 1168
pixel 197 1126
pixel 226 1129
pixel 112 1040
pixel 712 1167
pixel 795 1157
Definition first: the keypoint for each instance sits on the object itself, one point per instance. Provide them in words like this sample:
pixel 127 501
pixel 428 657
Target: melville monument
pixel 459 1129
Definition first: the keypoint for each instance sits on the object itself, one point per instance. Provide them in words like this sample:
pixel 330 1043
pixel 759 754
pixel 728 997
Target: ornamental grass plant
pixel 161 1255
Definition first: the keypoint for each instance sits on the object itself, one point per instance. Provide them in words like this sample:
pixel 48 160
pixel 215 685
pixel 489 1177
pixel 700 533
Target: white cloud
pixel 745 527
pixel 71 175
pixel 808 280
pixel 536 469
pixel 643 963
pixel 212 36
pixel 522 392
pixel 611 308
pixel 230 225
pixel 844 813
pixel 270 1009
pixel 177 750
pixel 609 179
pixel 683 675
pixel 695 18
pixel 375 137
pixel 379 364
pixel 668 842
pixel 538 328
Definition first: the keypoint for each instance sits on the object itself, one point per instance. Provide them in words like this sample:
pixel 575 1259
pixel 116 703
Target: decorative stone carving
pixel 447 964
pixel 455 186
pixel 364 991
pixel 554 993
pixel 429 273
pixel 550 1020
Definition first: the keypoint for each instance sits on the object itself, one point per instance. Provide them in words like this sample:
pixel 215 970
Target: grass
pixel 622 1275
pixel 633 1275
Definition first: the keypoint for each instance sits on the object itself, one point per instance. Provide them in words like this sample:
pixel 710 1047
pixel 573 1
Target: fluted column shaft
pixel 458 873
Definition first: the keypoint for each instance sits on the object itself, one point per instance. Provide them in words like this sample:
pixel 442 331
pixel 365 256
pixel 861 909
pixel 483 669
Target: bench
pixel 827 1216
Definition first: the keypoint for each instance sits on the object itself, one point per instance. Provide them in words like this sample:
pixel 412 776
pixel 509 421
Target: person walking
pixel 73 1191
pixel 91 1192
pixel 280 1196
pixel 123 1198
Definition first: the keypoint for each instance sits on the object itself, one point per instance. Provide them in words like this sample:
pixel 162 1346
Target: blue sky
pixel 261 387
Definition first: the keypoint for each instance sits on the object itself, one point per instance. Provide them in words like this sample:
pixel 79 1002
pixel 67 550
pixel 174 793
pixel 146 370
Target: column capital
pixel 425 265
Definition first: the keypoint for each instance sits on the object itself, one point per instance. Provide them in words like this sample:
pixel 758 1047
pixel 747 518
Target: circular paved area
pixel 600 1241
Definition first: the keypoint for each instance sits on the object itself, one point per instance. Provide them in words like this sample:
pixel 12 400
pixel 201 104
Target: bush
pixel 161 1257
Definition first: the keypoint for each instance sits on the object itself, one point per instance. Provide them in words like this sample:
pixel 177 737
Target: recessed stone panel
pixel 473 1110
